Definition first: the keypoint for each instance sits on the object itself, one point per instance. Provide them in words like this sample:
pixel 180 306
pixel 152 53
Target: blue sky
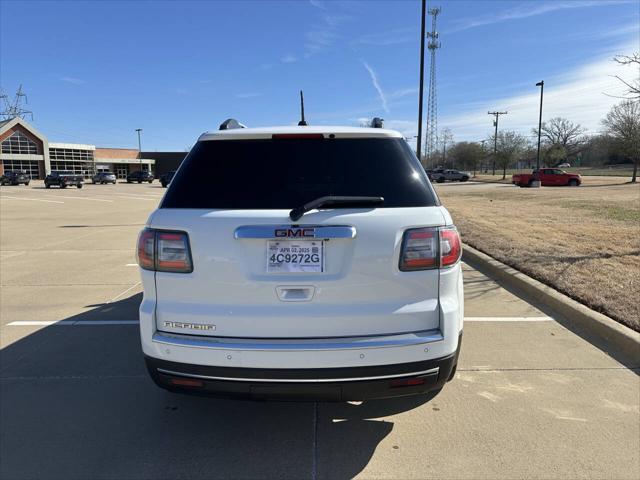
pixel 94 71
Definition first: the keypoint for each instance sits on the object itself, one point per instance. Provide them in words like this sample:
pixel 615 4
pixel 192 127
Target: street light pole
pixel 139 147
pixel 541 85
pixel 422 35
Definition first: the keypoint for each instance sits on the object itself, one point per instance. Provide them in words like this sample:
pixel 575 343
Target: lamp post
pixel 536 178
pixel 139 147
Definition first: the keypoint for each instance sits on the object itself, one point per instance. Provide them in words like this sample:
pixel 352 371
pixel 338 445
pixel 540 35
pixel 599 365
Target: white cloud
pixel 289 59
pixel 376 85
pixel 247 95
pixel 73 80
pixel 583 95
pixel 530 9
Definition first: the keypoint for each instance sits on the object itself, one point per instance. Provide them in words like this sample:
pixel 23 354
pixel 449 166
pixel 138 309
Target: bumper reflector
pixel 407 382
pixel 186 382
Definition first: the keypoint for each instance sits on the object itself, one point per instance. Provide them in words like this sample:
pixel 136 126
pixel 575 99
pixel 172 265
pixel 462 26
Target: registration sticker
pixel 295 256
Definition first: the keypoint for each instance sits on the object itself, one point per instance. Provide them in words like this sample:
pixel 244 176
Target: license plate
pixel 295 256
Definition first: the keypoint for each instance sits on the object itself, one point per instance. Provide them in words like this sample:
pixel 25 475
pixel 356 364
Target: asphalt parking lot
pixel 531 398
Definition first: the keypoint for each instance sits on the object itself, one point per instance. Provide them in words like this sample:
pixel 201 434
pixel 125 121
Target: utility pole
pixel 541 85
pixel 139 147
pixel 495 137
pixel 422 35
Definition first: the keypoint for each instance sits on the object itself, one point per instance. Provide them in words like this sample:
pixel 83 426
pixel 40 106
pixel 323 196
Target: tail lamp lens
pixel 173 252
pixel 164 251
pixel 419 249
pixel 427 248
pixel 450 246
pixel 146 249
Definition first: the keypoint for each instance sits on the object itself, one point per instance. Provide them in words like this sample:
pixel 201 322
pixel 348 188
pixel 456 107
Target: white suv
pixel 301 262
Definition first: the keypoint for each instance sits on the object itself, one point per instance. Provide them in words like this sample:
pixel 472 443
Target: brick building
pixel 22 147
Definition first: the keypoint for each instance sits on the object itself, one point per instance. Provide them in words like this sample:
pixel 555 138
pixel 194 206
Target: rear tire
pixel 62 185
pixel 79 186
pixel 139 181
pixel 440 180
pixel 46 185
pixel 26 184
pixel 530 184
pixel 573 183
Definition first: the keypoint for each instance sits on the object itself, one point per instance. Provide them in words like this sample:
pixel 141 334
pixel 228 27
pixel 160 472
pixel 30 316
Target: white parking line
pixel 85 198
pixel 68 323
pixel 508 319
pixel 30 199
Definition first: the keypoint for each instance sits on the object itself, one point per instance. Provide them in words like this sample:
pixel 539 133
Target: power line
pixel 14 109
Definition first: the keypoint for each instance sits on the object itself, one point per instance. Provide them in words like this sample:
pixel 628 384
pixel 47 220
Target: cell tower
pixel 14 109
pixel 432 102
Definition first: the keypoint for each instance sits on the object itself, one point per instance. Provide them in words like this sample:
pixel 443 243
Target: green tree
pixel 623 123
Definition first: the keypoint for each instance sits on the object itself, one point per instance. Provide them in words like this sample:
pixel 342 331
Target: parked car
pixel 564 165
pixel 140 176
pixel 14 178
pixel 331 271
pixel 548 177
pixel 165 179
pixel 63 179
pixel 441 175
pixel 104 177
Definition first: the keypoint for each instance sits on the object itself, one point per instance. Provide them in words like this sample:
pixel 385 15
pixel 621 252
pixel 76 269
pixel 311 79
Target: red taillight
pixel 419 249
pixel 164 251
pixel 450 246
pixel 427 248
pixel 146 249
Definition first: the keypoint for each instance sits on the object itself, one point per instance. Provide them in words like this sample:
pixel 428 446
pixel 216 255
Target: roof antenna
pixel 302 122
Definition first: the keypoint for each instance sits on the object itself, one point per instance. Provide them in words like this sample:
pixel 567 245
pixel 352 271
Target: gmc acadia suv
pixel 301 263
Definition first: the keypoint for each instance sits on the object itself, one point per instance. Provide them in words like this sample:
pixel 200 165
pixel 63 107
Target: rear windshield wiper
pixel 335 201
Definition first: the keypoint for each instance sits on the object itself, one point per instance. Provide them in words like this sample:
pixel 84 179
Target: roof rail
pixel 377 122
pixel 230 124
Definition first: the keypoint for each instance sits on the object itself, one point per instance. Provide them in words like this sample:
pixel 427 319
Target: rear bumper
pixel 326 384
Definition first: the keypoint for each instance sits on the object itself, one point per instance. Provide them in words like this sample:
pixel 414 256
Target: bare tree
pixel 563 133
pixel 633 89
pixel 510 146
pixel 623 123
pixel 446 138
pixel 467 155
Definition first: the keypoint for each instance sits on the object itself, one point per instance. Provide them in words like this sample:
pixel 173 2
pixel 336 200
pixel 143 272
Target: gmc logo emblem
pixel 295 232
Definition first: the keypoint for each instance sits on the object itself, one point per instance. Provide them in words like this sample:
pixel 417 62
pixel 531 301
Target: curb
pixel 600 326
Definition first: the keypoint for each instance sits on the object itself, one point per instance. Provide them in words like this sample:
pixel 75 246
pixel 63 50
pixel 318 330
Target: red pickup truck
pixel 548 177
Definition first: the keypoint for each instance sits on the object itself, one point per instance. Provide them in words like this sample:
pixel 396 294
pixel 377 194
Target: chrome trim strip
pixel 320 231
pixel 299 345
pixel 299 380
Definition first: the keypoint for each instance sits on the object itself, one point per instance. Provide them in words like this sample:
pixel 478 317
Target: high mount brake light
pixel 164 251
pixel 283 136
pixel 429 248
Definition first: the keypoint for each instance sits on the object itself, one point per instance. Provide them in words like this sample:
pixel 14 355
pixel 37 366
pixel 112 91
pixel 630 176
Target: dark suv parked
pixel 165 178
pixel 14 178
pixel 140 176
pixel 63 179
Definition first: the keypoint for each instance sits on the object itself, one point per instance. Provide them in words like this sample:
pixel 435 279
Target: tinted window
pixel 286 173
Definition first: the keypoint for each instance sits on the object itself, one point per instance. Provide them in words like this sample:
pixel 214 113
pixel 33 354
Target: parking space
pixel 531 398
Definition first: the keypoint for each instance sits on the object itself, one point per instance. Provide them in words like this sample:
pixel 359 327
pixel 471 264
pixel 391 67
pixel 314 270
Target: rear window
pixel 286 173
